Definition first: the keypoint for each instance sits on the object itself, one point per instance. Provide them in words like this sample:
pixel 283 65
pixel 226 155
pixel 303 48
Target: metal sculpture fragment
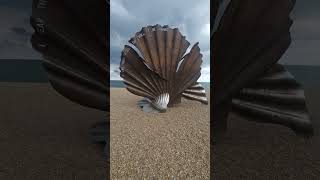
pixel 248 42
pixel 163 74
pixel 74 46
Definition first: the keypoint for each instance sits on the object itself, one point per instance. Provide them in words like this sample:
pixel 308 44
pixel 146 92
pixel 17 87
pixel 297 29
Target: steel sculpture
pixel 159 69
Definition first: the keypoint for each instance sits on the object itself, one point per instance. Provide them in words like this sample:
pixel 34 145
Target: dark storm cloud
pixel 191 17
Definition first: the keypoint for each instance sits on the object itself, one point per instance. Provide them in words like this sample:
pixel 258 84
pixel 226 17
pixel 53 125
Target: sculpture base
pixel 175 101
pixel 146 106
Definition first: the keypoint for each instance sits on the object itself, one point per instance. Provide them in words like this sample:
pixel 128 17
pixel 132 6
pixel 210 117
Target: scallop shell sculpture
pixel 157 68
pixel 74 47
pixel 249 39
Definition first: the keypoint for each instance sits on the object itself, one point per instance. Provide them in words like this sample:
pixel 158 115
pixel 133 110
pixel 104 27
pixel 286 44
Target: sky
pixel 305 33
pixel 15 30
pixel 191 17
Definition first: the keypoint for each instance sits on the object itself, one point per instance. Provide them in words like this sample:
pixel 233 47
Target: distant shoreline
pixel 120 84
pixel 19 70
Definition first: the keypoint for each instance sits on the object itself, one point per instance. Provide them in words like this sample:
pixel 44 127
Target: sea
pixel 120 84
pixel 17 70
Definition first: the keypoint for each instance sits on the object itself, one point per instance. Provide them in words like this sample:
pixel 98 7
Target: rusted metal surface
pixel 164 72
pixel 249 41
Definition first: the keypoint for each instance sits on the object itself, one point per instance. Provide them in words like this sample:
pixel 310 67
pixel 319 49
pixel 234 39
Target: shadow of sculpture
pixel 247 43
pixel 74 46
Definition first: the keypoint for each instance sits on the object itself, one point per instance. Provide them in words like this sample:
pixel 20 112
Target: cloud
pixel 191 17
pixel 117 9
pixel 15 33
pixel 304 49
pixel 205 74
pixel 116 40
pixel 205 31
pixel 115 72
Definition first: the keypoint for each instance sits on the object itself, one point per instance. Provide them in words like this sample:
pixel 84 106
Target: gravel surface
pixel 167 145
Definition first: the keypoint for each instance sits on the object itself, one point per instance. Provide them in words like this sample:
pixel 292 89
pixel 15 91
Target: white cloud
pixel 115 72
pixel 116 40
pixel 117 9
pixel 205 30
pixel 205 74
pixel 183 29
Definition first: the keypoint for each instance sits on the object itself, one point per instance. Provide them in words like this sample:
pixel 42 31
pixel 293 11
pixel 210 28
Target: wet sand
pixel 174 144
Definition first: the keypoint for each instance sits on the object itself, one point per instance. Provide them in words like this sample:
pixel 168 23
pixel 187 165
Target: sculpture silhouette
pixel 72 37
pixel 247 43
